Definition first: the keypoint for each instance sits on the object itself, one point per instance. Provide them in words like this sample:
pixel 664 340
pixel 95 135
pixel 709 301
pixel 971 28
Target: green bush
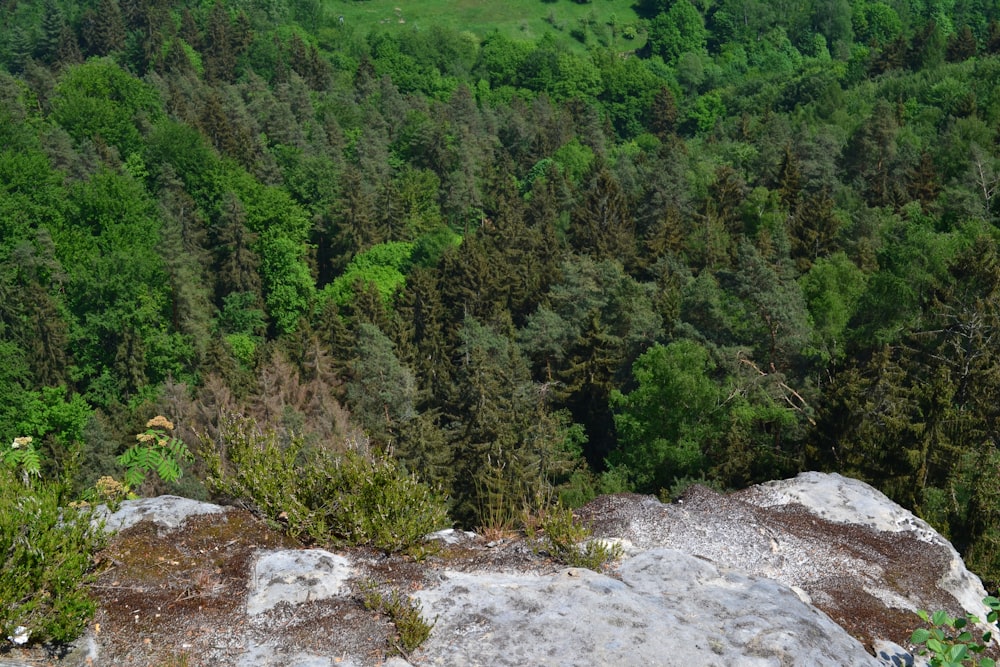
pixel 405 614
pixel 48 558
pixel 563 537
pixel 321 496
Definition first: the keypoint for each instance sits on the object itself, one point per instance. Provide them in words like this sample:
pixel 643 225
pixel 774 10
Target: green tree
pixel 679 30
pixel 601 224
pixel 381 391
pixel 101 102
pixel 104 28
pixel 509 447
pixel 666 423
pixel 832 288
pixel 593 324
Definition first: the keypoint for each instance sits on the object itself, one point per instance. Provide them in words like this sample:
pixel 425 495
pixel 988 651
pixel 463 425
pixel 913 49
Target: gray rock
pixel 668 609
pixel 844 500
pixel 167 512
pixel 866 562
pixel 268 655
pixel 294 577
pixel 891 654
pixel 812 570
pixel 450 536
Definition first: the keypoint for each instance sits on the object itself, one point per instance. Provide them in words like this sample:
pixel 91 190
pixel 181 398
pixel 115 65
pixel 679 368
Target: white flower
pixel 21 635
pixel 22 442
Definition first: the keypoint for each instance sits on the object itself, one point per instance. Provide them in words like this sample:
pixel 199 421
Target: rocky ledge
pixel 819 569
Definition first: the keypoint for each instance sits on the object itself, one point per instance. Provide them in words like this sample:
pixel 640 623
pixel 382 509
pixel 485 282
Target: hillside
pixel 504 256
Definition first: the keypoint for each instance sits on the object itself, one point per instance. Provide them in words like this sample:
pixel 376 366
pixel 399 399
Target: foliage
pixel 666 424
pixel 951 642
pixel 156 451
pixel 320 496
pixel 48 549
pixel 382 265
pixel 405 614
pixel 560 534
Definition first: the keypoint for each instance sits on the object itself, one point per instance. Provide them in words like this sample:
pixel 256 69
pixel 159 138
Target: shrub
pixel 564 538
pixel 157 451
pixel 321 496
pixel 950 643
pixel 47 557
pixel 405 614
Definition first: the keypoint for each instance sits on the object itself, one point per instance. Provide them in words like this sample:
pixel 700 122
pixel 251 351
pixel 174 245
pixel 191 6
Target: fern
pixel 23 454
pixel 156 451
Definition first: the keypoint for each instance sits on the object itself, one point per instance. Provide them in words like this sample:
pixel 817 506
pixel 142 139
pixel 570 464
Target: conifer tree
pixel 236 261
pixel 507 444
pixel 422 331
pixel 53 23
pixel 961 45
pixel 381 391
pixel 104 28
pixel 601 224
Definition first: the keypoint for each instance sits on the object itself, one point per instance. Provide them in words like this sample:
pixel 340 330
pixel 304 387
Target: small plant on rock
pixel 951 642
pixel 404 613
pixel 563 537
pixel 156 451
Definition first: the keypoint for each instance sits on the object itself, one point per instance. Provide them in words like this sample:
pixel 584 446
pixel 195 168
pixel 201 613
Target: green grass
pixel 521 19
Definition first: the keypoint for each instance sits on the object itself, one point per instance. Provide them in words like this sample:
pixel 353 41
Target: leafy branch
pixel 951 643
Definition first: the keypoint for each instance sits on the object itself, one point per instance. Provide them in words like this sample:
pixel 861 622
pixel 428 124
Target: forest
pixel 695 241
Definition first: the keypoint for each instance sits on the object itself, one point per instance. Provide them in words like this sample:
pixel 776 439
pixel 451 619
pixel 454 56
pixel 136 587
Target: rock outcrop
pixel 840 544
pixel 819 569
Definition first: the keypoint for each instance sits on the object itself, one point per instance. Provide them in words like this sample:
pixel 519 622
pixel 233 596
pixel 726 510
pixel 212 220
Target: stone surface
pixel 668 609
pixel 295 577
pixel 844 500
pixel 167 512
pixel 866 562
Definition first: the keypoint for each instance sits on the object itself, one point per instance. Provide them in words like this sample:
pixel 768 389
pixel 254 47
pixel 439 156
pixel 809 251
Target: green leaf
pixel 941 617
pixel 957 653
pixel 919 636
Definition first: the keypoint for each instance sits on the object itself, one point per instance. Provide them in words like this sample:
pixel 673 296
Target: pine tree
pixel 993 37
pixel 663 114
pixel 789 179
pixel 104 28
pixel 236 261
pixel 601 224
pixel 813 228
pixel 220 45
pixel 20 50
pixel 53 23
pixel 923 182
pixel 471 284
pixel 381 391
pixel 507 444
pixel 422 330
pixel 68 51
pixel 961 45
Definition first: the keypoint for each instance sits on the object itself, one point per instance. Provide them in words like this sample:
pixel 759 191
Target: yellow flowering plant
pixel 157 450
